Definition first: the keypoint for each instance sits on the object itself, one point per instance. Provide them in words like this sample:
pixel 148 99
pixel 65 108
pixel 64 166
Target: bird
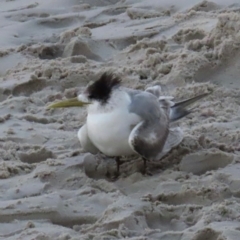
pixel 123 121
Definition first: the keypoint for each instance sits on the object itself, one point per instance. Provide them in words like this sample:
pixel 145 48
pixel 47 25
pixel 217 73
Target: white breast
pixel 109 128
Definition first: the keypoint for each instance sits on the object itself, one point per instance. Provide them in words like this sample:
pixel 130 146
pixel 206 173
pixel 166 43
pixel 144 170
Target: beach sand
pixel 50 188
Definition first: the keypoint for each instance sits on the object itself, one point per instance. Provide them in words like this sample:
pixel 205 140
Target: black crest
pixel 102 88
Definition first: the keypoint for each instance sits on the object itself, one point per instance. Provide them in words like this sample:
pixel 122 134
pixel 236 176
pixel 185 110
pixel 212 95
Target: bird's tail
pixel 179 109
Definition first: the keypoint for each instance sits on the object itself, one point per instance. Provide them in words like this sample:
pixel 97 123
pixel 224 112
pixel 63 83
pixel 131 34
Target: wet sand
pixel 50 188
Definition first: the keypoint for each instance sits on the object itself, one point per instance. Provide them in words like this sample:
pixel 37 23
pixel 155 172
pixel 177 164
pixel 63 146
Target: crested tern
pixel 123 121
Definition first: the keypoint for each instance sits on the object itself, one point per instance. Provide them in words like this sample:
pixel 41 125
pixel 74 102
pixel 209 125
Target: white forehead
pixel 82 97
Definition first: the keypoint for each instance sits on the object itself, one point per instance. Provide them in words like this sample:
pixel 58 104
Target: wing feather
pixel 149 136
pixel 174 138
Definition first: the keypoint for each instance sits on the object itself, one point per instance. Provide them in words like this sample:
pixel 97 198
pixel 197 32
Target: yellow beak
pixel 71 102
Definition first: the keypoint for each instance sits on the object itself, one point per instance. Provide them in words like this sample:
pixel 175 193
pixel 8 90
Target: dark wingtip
pixel 179 113
pixel 179 110
pixel 192 100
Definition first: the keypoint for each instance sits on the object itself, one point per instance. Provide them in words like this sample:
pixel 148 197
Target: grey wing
pixel 155 90
pixel 179 109
pixel 174 138
pixel 149 136
pixel 85 141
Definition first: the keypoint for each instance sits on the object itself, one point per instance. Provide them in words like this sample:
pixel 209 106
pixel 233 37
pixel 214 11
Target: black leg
pixel 144 165
pixel 145 170
pixel 118 162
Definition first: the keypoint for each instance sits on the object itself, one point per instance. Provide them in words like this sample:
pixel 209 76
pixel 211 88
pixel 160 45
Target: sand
pixel 50 188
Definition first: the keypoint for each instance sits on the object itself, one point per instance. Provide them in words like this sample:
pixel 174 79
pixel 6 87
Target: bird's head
pixel 99 91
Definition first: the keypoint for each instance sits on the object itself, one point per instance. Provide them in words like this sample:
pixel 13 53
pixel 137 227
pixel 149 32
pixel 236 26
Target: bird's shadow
pixel 102 167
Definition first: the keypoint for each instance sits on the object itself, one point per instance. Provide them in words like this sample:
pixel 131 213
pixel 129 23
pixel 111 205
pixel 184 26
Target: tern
pixel 123 121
